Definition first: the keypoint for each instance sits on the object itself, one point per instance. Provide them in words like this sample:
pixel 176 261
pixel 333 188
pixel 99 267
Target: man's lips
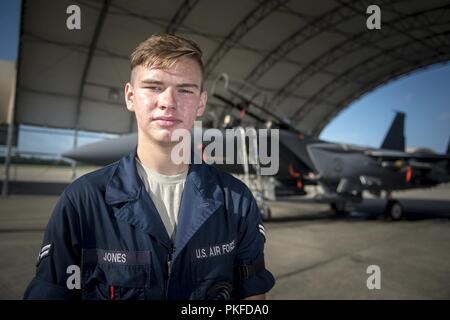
pixel 166 121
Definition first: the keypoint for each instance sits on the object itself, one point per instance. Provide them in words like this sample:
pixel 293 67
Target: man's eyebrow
pixel 181 85
pixel 150 81
pixel 187 85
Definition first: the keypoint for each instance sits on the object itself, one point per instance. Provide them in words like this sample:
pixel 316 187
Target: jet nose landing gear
pixel 394 210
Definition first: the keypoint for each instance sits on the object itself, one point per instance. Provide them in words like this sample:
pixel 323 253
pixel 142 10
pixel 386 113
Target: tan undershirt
pixel 166 192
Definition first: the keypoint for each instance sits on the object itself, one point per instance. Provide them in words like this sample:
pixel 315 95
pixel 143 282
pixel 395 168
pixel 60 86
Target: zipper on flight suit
pixel 169 270
pixel 169 265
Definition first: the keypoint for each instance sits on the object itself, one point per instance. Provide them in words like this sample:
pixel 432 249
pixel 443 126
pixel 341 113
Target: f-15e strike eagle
pixel 343 171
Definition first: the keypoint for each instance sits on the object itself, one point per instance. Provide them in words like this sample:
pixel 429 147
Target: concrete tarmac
pixel 312 253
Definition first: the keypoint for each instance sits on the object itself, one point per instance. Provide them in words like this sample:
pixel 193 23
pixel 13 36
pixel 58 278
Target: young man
pixel 145 227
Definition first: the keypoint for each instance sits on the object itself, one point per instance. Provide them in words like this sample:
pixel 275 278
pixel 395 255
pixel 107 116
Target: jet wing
pixel 393 155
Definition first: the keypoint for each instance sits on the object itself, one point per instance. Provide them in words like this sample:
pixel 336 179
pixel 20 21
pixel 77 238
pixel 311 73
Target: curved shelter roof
pixel 311 59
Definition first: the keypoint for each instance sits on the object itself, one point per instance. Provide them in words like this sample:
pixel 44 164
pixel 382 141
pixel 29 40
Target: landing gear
pixel 340 208
pixel 266 213
pixel 394 210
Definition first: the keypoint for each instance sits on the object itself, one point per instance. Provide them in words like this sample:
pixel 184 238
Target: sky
pixel 9 29
pixel 423 95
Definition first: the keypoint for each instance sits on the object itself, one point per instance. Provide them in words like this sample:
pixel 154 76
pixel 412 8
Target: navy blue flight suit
pixel 106 224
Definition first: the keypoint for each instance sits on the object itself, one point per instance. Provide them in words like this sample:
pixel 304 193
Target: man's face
pixel 165 100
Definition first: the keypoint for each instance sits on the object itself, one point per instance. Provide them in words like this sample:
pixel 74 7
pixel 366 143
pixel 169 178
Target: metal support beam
pixel 363 39
pixel 81 48
pixel 420 63
pixel 326 22
pixel 9 135
pixel 259 13
pixel 12 107
pixel 396 27
pixel 68 96
pixel 371 86
pixel 87 65
pixel 162 23
pixel 332 17
pixel 92 47
pixel 363 68
pixel 181 14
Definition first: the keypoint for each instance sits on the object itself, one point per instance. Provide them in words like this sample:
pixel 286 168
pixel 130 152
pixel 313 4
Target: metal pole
pixel 92 47
pixel 244 155
pixel 10 132
pixel 74 163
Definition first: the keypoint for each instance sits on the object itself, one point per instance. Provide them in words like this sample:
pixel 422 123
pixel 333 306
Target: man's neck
pixel 157 157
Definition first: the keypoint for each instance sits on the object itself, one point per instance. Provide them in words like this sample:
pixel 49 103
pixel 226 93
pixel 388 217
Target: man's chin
pixel 163 138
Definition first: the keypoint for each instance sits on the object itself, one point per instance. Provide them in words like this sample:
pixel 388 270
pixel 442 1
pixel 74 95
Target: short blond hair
pixel 162 51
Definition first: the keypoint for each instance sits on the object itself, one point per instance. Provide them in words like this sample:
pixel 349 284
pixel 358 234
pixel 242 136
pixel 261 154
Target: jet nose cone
pixel 82 154
pixel 103 152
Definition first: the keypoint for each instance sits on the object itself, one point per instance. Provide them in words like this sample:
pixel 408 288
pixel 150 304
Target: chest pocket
pixel 113 280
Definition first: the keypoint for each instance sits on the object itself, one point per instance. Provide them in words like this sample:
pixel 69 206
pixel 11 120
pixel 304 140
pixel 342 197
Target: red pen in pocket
pixel 111 292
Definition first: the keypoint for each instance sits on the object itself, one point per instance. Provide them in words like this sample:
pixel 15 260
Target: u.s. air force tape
pixel 129 258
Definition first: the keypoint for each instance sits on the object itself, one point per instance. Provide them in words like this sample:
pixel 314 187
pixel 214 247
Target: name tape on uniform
pixel 129 258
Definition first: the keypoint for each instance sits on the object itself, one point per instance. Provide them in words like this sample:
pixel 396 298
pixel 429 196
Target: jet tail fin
pixel 395 138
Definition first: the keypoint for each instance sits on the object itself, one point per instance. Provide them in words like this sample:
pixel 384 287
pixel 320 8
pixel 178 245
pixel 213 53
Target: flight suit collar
pixel 198 202
pixel 125 186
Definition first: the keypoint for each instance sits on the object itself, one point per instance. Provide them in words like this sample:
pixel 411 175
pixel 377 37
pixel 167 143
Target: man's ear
pixel 129 96
pixel 202 105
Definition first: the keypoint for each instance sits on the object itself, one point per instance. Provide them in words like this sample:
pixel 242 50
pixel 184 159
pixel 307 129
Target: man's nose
pixel 167 99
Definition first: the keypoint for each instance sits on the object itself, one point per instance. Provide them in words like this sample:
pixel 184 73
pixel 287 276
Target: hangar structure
pixel 309 59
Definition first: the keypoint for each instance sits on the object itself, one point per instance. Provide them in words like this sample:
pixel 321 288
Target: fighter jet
pixel 346 170
pixel 289 175
pixel 343 171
